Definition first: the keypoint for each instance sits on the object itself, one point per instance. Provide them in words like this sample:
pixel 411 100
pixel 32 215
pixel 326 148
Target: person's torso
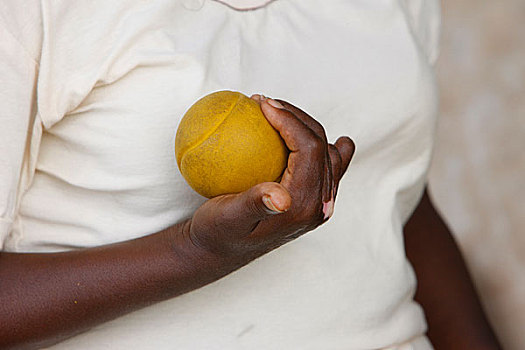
pixel 106 172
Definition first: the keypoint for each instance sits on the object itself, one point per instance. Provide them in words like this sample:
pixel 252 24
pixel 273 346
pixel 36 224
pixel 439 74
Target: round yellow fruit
pixel 224 144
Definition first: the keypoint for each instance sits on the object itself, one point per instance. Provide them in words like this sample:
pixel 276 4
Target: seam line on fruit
pixel 197 143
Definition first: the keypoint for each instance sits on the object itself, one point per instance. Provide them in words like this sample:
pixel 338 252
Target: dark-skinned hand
pixel 249 224
pixel 78 289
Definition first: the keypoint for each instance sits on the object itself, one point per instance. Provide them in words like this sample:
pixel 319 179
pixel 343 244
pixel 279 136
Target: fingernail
pixel 267 200
pixel 328 208
pixel 274 103
pixel 256 97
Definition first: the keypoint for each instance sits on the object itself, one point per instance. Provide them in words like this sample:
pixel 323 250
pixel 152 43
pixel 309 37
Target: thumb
pixel 243 211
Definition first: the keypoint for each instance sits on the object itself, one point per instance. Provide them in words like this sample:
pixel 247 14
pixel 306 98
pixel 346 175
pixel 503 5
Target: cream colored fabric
pixel 95 93
pixel 245 4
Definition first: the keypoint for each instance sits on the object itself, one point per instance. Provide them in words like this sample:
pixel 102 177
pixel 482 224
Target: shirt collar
pixel 245 4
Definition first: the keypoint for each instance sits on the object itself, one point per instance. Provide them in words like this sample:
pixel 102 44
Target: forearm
pixel 49 297
pixel 455 317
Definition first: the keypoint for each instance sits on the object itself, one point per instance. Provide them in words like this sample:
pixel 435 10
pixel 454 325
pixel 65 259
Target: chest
pixel 354 66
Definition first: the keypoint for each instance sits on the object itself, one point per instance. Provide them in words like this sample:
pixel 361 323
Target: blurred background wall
pixel 477 178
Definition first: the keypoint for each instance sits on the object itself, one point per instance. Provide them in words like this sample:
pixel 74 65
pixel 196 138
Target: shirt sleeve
pixel 18 126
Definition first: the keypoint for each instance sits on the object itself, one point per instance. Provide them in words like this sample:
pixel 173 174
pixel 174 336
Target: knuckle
pixel 319 141
pixel 315 145
pixel 287 134
pixel 318 128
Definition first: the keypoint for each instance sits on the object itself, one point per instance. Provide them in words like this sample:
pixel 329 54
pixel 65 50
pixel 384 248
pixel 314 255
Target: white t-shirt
pixel 91 96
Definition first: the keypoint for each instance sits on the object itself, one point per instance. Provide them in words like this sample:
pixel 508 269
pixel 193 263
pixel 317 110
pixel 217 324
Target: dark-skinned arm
pixel 48 297
pixel 445 290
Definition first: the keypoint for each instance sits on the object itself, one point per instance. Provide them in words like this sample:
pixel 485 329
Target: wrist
pixel 195 263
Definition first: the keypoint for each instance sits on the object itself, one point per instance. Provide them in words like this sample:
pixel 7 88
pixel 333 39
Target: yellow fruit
pixel 224 144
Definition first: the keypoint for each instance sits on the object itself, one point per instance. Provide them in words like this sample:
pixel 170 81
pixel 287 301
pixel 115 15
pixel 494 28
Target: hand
pixel 79 289
pixel 249 224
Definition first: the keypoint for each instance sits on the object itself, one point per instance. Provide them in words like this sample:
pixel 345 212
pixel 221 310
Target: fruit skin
pixel 224 144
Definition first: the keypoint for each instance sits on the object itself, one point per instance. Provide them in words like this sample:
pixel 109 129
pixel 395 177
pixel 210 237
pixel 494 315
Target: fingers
pixel 311 148
pixel 336 161
pixel 294 132
pixel 294 124
pixel 270 214
pixel 319 130
pixel 344 145
pixel 346 148
pixel 305 118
